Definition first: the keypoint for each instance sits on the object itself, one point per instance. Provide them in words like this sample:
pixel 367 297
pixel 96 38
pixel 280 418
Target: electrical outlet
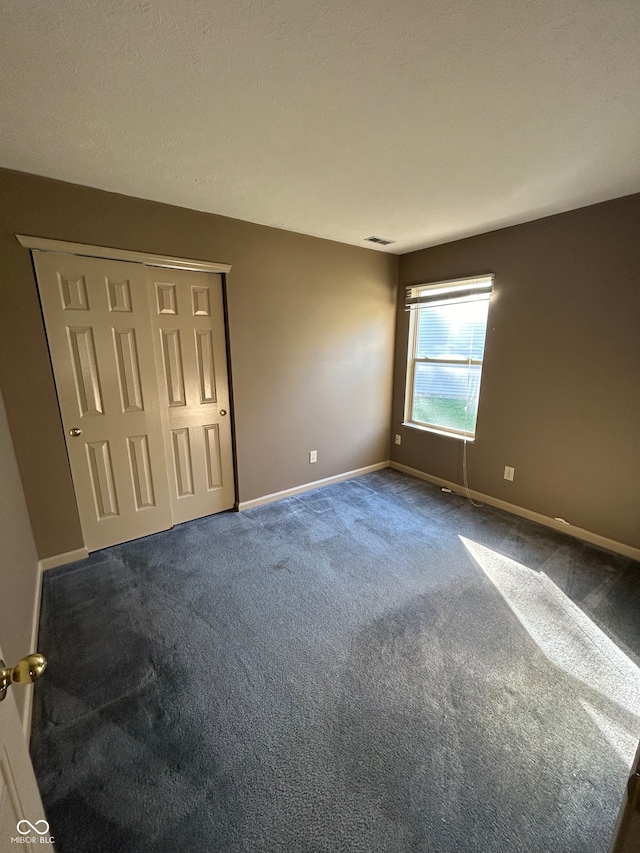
pixel 398 439
pixel 509 472
pixel 313 456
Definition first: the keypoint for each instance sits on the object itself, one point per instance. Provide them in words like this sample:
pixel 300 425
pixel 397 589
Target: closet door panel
pixel 98 324
pixel 191 358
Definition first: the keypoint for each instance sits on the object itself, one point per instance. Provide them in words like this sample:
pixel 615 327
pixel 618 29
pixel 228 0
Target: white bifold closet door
pixel 191 361
pixel 139 359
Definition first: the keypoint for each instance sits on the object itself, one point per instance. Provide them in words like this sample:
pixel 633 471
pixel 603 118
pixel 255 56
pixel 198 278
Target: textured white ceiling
pixel 418 120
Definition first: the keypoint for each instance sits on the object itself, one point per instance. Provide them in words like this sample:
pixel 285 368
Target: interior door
pixel 21 812
pixel 191 358
pixel 100 338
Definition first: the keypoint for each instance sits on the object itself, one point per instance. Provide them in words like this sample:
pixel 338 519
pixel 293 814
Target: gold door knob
pixel 24 672
pixel 223 412
pixel 75 432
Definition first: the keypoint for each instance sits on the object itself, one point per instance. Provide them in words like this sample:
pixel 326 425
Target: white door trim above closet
pixel 46 245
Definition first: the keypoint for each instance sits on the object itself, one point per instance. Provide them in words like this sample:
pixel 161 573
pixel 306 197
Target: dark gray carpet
pixel 337 672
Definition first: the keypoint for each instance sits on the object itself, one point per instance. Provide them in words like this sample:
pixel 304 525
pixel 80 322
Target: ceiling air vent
pixel 380 240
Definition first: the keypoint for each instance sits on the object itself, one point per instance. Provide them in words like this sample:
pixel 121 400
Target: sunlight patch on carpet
pixel 571 641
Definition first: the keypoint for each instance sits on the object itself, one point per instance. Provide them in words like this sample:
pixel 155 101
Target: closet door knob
pixel 223 412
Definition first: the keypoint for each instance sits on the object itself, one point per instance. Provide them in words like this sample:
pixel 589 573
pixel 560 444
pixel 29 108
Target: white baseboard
pixel 308 487
pixel 578 532
pixel 62 559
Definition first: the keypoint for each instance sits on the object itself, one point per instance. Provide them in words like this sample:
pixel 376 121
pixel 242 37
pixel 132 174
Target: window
pixel 448 324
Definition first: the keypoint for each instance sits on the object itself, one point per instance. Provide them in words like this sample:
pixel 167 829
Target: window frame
pixel 454 291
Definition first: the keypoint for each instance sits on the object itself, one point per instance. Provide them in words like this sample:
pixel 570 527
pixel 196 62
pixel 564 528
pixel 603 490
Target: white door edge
pixel 35 627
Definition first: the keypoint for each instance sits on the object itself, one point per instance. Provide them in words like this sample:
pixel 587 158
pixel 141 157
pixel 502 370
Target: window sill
pixel 439 431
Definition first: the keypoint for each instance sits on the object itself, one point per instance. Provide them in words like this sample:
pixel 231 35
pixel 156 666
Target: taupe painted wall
pixel 560 397
pixel 311 327
pixel 18 561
